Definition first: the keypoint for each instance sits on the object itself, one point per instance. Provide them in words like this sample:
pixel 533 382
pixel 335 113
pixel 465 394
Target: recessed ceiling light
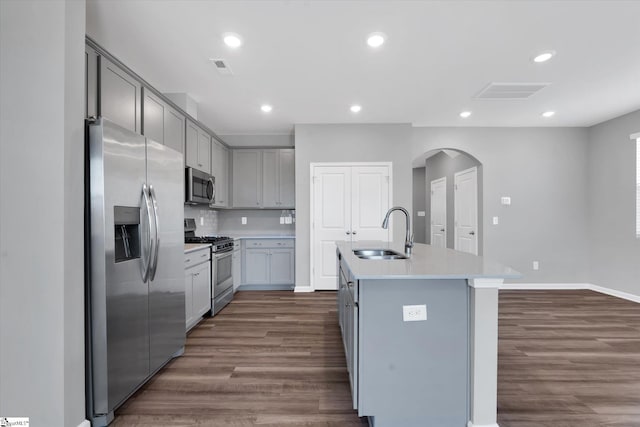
pixel 232 40
pixel 544 56
pixel 376 39
pixel 465 114
pixel 266 108
pixel 355 108
pixel 548 114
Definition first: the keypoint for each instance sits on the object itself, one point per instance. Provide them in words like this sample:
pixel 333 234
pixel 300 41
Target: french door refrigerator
pixel 135 301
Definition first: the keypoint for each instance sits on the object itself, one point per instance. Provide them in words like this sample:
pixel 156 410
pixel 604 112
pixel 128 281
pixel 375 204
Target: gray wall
pixel 41 213
pixel 209 217
pixel 615 251
pixel 544 171
pixel 348 143
pixel 442 165
pixel 419 204
pixel 258 140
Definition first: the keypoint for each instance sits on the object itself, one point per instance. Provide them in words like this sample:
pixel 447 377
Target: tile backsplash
pixel 206 219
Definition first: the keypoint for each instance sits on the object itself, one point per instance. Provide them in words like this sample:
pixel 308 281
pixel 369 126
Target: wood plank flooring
pixel 268 359
pixel 566 359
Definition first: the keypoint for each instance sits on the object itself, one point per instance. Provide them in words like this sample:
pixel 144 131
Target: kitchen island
pixel 420 335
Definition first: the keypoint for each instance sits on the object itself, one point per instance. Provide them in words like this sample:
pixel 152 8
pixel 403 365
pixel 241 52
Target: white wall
pixel 41 211
pixel 615 251
pixel 544 171
pixel 348 143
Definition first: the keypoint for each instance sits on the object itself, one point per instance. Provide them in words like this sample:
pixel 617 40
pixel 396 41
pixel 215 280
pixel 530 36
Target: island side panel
pixel 414 372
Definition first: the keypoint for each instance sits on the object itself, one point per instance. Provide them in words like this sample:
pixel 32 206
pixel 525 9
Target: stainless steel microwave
pixel 200 187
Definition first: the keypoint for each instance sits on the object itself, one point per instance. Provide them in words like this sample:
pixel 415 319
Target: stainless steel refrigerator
pixel 135 301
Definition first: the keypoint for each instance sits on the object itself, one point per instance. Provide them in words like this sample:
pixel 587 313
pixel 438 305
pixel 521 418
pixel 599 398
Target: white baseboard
pixel 302 289
pixel 85 423
pixel 471 424
pixel 570 286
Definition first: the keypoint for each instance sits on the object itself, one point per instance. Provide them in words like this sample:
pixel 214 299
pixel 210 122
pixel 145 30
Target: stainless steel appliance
pixel 200 187
pixel 222 264
pixel 135 298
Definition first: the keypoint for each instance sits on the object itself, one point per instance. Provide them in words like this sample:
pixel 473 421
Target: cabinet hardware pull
pixel 187 260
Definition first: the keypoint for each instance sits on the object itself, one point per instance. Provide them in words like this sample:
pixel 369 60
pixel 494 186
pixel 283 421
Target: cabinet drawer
pixel 269 243
pixel 197 257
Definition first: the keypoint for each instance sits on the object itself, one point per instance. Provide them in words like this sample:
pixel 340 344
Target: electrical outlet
pixel 244 220
pixel 536 265
pixel 496 220
pixel 201 220
pixel 287 220
pixel 505 201
pixel 281 220
pixel 421 213
pixel 414 313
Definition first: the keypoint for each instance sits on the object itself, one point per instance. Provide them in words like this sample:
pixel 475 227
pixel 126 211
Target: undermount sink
pixel 378 254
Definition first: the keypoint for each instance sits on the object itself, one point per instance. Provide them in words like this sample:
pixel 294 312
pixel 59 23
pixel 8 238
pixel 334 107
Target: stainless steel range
pixel 221 264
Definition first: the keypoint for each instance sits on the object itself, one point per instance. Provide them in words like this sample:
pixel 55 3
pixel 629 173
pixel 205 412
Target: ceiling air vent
pixel 221 65
pixel 510 90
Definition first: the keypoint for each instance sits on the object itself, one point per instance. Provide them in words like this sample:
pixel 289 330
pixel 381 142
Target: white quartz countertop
pixel 426 262
pixel 261 236
pixel 192 247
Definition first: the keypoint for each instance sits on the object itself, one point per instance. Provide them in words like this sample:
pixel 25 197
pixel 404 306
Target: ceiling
pixel 310 60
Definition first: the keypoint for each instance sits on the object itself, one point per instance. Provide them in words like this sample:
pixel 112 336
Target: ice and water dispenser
pixel 127 232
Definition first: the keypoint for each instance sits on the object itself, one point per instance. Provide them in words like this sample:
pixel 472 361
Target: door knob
pixel 348 232
pixel 354 232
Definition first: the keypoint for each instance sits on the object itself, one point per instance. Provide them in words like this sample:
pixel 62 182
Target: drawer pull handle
pixel 187 260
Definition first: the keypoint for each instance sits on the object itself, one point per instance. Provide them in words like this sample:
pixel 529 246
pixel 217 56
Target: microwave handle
pixel 211 183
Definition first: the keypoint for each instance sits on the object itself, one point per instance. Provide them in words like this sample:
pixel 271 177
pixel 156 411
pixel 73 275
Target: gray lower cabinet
pixel 268 262
pixel 198 148
pixel 197 278
pixel 405 373
pixel 237 264
pixel 162 123
pixel 120 96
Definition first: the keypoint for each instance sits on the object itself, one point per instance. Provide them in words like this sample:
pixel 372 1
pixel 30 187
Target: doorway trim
pixel 435 181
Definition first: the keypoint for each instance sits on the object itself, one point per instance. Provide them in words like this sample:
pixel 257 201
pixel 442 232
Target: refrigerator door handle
pixel 154 204
pixel 146 261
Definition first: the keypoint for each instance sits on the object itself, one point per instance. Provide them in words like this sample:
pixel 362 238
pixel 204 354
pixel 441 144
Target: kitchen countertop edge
pixel 192 247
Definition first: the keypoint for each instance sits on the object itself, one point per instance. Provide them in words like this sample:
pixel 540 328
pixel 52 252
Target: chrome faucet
pixel 408 239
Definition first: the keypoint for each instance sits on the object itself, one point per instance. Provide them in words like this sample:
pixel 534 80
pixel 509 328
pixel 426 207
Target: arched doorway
pixel 447 200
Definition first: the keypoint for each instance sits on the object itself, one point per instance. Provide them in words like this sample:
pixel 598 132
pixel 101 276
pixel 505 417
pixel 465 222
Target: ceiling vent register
pixel 507 91
pixel 222 66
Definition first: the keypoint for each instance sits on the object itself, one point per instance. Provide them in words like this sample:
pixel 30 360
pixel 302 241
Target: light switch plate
pixel 244 220
pixel 536 265
pixel 505 200
pixel 281 220
pixel 287 220
pixel 496 220
pixel 414 313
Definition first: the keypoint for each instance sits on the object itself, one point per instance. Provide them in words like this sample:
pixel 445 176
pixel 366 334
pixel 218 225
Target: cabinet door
pixel 153 116
pixel 281 264
pixel 256 266
pixel 286 179
pixel 270 181
pixel 174 129
pixel 120 96
pixel 219 169
pixel 369 202
pixel 191 144
pixel 237 268
pixel 201 289
pixel 247 172
pixel 204 151
pixel 188 297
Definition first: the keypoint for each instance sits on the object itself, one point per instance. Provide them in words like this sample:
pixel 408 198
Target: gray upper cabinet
pixel 162 123
pixel 247 172
pixel 198 148
pixel 120 96
pixel 273 175
pixel 220 170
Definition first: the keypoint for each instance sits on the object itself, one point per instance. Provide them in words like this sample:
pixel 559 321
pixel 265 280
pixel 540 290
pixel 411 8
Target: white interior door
pixel 466 210
pixel 330 222
pixel 369 202
pixel 439 212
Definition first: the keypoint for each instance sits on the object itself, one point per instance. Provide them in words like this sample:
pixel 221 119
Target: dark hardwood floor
pixel 268 359
pixel 566 359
